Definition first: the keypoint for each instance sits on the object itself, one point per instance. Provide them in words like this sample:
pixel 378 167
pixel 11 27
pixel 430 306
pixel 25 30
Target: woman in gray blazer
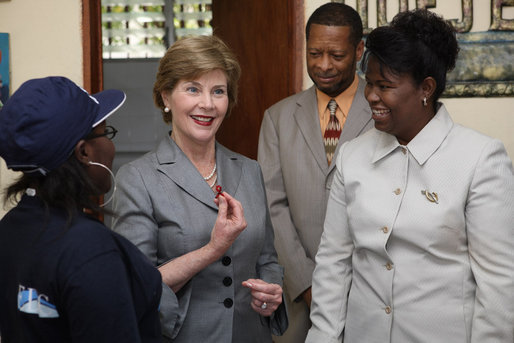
pixel 418 242
pixel 226 277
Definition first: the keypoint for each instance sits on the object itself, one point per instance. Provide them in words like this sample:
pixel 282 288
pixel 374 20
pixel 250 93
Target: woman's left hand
pixel 266 297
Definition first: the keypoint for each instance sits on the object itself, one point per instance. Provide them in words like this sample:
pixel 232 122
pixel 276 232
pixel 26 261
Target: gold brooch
pixel 431 196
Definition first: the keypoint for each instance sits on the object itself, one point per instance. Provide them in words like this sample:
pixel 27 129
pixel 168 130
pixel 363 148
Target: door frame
pixel 92 45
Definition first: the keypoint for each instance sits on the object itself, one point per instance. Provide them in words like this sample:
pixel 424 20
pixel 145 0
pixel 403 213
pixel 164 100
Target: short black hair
pixel 337 14
pixel 419 43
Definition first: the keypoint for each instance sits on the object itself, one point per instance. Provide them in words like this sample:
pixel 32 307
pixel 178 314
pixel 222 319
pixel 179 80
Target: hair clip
pixel 220 192
pixel 431 196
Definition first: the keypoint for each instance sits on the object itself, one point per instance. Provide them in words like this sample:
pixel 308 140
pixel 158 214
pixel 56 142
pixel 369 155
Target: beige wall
pixel 492 116
pixel 45 39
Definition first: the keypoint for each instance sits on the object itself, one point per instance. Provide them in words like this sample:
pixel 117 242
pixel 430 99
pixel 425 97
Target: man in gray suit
pixel 295 150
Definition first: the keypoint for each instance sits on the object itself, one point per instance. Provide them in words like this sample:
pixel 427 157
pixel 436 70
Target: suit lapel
pixel 358 118
pixel 176 166
pixel 307 119
pixel 230 169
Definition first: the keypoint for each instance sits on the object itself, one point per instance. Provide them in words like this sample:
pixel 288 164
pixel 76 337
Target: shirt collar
pixel 344 99
pixel 424 144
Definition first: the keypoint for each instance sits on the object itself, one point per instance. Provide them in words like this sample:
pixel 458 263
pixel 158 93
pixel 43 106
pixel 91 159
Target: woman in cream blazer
pixel 418 242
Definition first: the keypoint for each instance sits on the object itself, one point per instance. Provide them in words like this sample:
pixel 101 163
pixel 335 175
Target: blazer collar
pixel 424 144
pixel 358 117
pixel 307 119
pixel 173 163
pixel 230 169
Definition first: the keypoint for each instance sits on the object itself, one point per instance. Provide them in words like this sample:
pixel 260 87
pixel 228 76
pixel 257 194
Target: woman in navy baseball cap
pixel 64 276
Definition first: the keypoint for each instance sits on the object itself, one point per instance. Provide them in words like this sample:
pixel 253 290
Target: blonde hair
pixel 191 57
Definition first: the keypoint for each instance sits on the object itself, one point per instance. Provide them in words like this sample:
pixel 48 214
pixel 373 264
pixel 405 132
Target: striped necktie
pixel 332 132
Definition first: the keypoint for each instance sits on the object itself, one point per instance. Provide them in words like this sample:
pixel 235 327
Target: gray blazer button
pixel 227 281
pixel 228 303
pixel 226 260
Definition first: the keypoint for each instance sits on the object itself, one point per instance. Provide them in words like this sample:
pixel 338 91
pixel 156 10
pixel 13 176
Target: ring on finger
pixel 264 306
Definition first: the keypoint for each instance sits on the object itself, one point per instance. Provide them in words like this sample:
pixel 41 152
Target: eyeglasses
pixel 109 132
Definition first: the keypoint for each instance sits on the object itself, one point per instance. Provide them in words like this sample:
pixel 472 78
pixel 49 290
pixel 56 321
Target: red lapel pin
pixel 220 192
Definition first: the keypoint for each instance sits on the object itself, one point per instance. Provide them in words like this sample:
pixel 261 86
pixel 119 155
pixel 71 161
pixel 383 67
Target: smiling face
pixel 332 58
pixel 198 108
pixel 396 102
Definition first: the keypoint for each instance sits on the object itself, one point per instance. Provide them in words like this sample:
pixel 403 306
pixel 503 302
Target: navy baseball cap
pixel 41 123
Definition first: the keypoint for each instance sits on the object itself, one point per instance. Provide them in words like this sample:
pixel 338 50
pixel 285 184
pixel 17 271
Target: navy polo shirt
pixel 79 282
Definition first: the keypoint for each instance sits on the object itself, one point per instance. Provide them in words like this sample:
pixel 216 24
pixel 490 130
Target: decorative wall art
pixel 484 67
pixel 4 68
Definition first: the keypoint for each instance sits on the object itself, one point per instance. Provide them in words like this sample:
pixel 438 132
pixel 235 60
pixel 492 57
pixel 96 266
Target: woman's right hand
pixel 229 223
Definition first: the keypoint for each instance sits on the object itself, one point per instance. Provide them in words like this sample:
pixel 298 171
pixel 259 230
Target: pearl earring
pixel 167 110
pixel 425 101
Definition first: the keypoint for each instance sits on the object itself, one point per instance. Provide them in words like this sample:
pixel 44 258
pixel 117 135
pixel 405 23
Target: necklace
pixel 208 177
pixel 214 181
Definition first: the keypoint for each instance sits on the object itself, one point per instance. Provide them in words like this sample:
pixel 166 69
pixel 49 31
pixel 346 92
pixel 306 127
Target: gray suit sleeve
pixel 133 208
pixel 270 271
pixel 292 254
pixel 332 277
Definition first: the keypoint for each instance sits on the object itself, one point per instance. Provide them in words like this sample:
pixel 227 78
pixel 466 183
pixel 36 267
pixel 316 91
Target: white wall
pixel 45 39
pixel 492 116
